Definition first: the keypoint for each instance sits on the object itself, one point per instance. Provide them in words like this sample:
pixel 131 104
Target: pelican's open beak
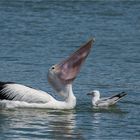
pixel 68 69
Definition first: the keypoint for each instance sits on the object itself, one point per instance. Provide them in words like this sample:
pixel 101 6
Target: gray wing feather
pixel 110 100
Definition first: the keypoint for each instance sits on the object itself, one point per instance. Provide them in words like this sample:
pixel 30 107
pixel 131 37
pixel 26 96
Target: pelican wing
pixel 17 92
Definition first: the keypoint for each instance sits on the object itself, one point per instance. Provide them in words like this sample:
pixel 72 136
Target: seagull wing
pixel 110 100
pixel 103 102
pixel 18 92
pixel 117 97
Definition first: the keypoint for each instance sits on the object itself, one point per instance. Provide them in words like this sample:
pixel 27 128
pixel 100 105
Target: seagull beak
pixel 68 69
pixel 89 93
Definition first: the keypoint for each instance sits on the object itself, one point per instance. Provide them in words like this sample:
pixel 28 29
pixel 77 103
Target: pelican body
pixel 104 102
pixel 60 76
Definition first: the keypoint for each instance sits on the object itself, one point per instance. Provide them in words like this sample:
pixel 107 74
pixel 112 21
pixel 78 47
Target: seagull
pixel 60 77
pixel 104 102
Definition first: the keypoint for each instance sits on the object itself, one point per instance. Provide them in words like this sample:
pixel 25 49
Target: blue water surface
pixel 35 34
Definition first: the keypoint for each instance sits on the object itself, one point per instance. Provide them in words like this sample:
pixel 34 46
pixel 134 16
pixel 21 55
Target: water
pixel 35 34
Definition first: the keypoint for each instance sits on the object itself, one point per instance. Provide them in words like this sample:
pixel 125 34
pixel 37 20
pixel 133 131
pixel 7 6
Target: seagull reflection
pixel 106 109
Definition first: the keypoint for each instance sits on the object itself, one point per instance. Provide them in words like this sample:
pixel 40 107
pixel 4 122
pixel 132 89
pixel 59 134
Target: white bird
pixel 60 76
pixel 104 102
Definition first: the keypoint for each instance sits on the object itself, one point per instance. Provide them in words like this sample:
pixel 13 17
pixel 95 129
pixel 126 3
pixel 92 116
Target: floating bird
pixel 60 76
pixel 104 102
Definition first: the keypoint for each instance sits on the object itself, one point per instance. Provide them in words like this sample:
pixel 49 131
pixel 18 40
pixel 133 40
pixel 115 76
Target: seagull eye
pixel 53 68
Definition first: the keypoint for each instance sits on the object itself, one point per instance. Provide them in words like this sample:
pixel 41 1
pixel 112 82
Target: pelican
pixel 104 102
pixel 60 77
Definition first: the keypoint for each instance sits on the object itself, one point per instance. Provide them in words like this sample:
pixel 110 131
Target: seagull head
pixel 94 93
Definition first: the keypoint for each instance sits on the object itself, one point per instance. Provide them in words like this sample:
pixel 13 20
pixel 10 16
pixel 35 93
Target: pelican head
pixel 65 72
